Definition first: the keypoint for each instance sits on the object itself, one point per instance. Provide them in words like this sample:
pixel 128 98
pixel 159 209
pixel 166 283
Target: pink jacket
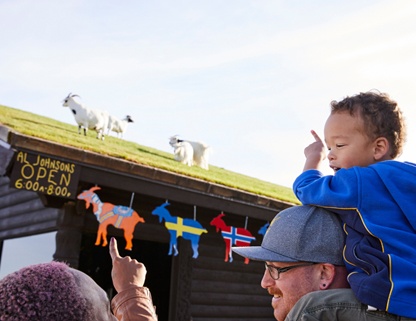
pixel 134 304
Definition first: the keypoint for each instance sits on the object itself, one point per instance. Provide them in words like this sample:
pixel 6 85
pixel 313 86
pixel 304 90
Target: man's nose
pixel 267 280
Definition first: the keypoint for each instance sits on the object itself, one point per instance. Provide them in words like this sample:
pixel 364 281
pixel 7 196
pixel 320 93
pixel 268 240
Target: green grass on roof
pixel 55 131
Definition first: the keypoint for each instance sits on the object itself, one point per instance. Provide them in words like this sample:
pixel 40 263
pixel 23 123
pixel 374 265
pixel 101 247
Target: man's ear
pixel 327 276
pixel 381 149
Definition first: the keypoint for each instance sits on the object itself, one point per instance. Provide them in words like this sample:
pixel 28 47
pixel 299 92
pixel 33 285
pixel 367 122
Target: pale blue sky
pixel 249 78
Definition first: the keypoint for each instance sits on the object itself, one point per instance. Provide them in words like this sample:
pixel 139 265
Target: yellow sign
pixel 45 174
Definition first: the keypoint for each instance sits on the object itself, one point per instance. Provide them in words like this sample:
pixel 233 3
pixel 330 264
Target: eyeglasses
pixel 275 271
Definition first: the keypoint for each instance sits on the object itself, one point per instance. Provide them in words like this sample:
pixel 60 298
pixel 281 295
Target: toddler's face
pixel 347 141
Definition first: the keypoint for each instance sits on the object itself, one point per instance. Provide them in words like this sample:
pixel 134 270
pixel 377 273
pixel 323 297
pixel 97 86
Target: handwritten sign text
pixel 45 175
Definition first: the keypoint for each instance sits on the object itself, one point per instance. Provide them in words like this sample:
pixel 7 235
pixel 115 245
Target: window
pixel 20 252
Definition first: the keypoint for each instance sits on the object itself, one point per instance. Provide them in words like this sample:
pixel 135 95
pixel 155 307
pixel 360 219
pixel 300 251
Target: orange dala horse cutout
pixel 119 216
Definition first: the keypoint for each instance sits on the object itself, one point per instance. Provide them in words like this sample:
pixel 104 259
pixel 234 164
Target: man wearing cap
pixel 302 250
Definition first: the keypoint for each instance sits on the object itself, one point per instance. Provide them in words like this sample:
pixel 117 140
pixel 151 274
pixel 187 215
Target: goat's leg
pixel 98 240
pixel 129 241
pixel 195 249
pixel 227 249
pixel 100 134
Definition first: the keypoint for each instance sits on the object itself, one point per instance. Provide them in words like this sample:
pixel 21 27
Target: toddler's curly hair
pixel 44 292
pixel 381 115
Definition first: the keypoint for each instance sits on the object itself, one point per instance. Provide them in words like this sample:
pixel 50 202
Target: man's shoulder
pixel 333 296
pixel 326 305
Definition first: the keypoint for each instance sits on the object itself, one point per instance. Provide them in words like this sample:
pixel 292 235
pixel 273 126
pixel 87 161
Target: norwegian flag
pixel 237 236
pixel 232 236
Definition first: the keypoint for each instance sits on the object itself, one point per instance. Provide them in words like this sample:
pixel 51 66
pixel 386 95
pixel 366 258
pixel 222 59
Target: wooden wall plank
pixel 237 312
pixel 218 299
pixel 228 291
pixel 22 213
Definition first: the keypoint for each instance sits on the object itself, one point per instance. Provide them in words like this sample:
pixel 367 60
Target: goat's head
pixel 161 211
pixel 218 222
pixel 129 119
pixel 88 195
pixel 174 140
pixel 67 99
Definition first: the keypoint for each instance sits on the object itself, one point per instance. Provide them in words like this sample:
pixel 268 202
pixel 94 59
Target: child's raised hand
pixel 315 153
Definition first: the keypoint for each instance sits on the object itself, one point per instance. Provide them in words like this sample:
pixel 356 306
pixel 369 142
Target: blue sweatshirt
pixel 378 207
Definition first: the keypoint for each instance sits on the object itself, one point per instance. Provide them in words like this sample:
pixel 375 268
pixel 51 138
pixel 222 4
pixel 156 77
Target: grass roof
pixel 55 131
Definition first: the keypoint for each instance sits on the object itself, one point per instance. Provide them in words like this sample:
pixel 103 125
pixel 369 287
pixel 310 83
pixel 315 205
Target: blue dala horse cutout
pixel 187 228
pixel 263 229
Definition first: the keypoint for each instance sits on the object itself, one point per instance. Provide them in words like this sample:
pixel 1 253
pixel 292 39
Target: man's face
pixel 290 286
pixel 95 296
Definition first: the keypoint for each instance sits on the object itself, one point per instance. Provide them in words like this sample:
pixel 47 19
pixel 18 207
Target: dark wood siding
pixel 202 289
pixel 22 213
pixel 185 288
pixel 227 291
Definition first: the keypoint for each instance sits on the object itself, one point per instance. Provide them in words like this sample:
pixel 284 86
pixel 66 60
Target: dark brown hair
pixel 382 117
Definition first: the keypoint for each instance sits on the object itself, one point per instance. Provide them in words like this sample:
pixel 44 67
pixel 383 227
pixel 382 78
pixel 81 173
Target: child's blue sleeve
pixel 340 190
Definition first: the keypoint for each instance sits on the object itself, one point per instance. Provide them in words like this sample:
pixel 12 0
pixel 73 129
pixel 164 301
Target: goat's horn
pixel 95 188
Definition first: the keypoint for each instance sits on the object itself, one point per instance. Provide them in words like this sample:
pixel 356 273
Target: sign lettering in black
pixel 46 175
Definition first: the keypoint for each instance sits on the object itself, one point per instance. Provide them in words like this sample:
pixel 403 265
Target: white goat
pixel 184 153
pixel 201 151
pixel 117 125
pixel 87 118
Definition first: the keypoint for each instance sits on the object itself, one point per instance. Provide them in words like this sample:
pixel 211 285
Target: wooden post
pixel 69 235
pixel 181 283
pixel 1 250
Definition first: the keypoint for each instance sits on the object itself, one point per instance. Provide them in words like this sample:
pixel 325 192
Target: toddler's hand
pixel 315 153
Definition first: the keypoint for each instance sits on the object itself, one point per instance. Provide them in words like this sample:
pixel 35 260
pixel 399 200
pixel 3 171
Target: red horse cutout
pixel 121 217
pixel 232 236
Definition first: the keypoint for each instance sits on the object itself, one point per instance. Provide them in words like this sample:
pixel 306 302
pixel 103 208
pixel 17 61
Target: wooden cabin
pixel 39 182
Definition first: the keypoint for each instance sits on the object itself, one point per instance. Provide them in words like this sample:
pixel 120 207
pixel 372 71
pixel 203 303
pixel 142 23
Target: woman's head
pixel 48 291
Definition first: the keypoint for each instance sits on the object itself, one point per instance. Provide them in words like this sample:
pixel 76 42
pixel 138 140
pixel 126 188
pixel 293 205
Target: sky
pixel 248 78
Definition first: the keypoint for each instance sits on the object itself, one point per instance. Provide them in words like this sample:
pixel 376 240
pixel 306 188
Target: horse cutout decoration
pixel 232 236
pixel 187 228
pixel 119 216
pixel 263 229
